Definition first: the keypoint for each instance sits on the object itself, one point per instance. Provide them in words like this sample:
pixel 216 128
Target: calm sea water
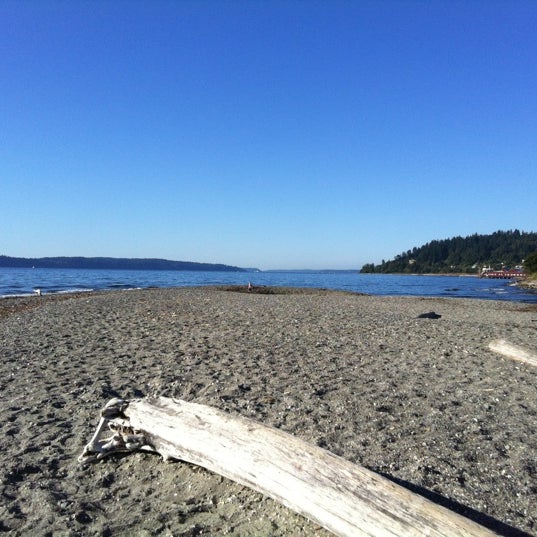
pixel 15 281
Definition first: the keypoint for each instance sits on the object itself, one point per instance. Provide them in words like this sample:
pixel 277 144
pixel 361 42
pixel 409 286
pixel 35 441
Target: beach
pixel 421 401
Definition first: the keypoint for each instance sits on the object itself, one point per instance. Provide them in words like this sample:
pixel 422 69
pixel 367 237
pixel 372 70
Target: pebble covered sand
pixel 421 401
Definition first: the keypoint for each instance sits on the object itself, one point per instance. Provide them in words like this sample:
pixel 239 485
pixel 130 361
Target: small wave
pixel 18 295
pixel 499 291
pixel 74 290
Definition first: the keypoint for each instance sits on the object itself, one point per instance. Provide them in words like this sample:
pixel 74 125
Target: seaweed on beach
pixel 277 290
pixel 12 305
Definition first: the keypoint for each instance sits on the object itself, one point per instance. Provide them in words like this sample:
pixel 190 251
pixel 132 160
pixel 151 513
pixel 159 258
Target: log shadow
pixel 491 523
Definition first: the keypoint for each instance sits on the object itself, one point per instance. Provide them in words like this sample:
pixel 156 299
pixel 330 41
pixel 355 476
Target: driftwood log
pixel 512 351
pixel 345 498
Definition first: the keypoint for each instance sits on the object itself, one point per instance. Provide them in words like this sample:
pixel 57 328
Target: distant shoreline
pixel 113 263
pixel 454 274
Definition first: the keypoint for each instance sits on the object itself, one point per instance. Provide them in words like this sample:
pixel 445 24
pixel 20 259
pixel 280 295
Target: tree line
pixel 501 249
pixel 112 263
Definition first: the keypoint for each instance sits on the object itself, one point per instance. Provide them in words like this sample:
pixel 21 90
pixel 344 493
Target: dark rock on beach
pixel 429 315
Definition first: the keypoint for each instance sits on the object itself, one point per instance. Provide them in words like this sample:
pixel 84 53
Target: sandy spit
pixel 422 401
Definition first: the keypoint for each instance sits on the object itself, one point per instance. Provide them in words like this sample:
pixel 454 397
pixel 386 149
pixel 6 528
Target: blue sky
pixel 270 134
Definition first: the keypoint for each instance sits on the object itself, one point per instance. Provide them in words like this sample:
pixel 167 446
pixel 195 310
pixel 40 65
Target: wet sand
pixel 422 401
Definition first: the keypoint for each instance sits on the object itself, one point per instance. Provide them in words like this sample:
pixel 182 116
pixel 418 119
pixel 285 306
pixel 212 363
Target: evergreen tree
pixel 530 263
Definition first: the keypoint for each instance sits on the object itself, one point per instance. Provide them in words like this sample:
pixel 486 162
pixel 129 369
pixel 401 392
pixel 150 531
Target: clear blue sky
pixel 270 134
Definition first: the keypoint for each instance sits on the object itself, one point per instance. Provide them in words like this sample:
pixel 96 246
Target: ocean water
pixel 17 281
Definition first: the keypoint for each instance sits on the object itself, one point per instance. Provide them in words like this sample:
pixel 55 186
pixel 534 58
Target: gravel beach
pixel 419 400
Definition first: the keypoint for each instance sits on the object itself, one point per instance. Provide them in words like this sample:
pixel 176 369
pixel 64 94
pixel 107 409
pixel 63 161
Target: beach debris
pixel 512 351
pixel 345 498
pixel 429 315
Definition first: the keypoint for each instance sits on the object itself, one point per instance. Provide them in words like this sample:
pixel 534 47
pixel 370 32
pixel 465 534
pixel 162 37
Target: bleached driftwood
pixel 345 498
pixel 512 351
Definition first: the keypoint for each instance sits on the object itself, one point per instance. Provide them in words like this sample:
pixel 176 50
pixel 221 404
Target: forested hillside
pixel 112 263
pixel 462 254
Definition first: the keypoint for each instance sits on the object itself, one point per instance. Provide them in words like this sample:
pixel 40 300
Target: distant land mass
pixel 501 249
pixel 112 263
